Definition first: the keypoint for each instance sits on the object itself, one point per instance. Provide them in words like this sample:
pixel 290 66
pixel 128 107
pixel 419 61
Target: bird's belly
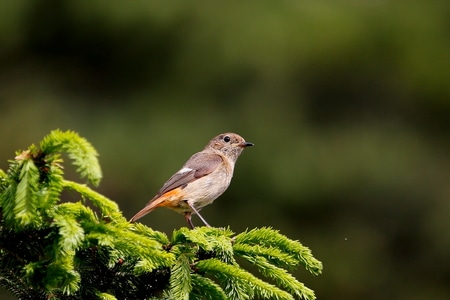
pixel 205 190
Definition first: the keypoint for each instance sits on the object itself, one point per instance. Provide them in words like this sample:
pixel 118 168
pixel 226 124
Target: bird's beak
pixel 246 144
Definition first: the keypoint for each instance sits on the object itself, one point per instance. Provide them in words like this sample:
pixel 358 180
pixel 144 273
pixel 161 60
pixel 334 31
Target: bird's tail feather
pixel 169 199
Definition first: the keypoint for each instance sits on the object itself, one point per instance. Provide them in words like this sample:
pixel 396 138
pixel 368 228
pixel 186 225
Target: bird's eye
pixel 226 138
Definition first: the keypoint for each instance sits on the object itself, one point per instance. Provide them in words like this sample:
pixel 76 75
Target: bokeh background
pixel 346 101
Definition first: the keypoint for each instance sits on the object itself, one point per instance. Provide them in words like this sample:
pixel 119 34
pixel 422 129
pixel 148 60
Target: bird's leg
pixel 187 216
pixel 201 218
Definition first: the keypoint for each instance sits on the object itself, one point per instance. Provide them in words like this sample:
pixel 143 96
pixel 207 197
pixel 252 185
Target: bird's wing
pixel 199 165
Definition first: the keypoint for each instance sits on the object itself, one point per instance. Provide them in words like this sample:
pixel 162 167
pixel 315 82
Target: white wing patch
pixel 185 170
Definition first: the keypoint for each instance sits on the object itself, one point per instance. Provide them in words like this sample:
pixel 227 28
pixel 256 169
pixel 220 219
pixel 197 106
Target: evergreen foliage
pixel 63 250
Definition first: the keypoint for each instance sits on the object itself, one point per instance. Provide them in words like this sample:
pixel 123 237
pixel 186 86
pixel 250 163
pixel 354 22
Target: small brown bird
pixel 203 178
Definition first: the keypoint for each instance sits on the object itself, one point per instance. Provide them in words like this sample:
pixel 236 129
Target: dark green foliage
pixel 54 250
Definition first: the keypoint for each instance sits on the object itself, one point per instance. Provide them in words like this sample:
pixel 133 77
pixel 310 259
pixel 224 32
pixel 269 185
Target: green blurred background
pixel 346 101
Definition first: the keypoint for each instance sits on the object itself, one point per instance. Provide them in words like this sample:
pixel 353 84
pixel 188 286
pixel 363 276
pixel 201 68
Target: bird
pixel 202 179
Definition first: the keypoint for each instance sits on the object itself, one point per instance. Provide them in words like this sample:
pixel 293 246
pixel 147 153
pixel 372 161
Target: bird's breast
pixel 206 189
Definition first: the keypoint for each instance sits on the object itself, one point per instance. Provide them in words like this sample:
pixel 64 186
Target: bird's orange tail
pixel 169 199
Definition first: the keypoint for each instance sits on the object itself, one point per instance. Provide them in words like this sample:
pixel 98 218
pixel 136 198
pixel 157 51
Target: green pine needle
pixel 105 296
pixel 269 237
pixel 240 284
pixel 107 207
pixel 206 288
pixel 214 240
pixel 8 202
pixel 27 197
pixel 70 231
pixel 148 233
pixel 274 255
pixel 180 279
pixel 282 277
pixel 83 155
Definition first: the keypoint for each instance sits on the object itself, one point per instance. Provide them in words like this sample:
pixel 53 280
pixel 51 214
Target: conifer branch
pixel 206 288
pixel 180 278
pixel 281 276
pixel 50 249
pixel 240 283
pixel 107 207
pixel 27 198
pixel 82 153
pixel 268 237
